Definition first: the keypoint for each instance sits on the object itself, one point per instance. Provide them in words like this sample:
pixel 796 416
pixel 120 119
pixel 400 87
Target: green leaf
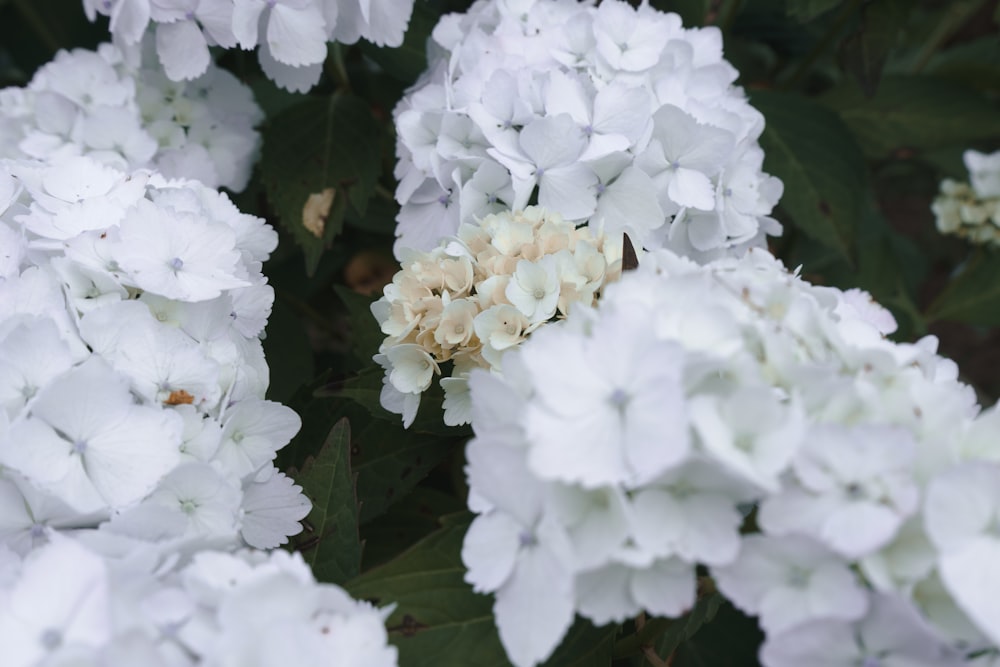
pixel 439 621
pixel 407 61
pixel 406 523
pixel 806 10
pixel 913 113
pixel 366 336
pixel 331 544
pixel 732 639
pixel 692 12
pixel 973 294
pixel 865 52
pixel 366 387
pixel 975 63
pixel 288 352
pixel 390 461
pixel 684 628
pixel 323 146
pixel 824 173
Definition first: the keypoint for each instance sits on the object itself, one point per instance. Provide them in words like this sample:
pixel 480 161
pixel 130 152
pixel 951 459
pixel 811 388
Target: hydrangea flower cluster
pixel 638 440
pixel 292 34
pixel 612 115
pixel 478 295
pixel 118 107
pixel 972 211
pixel 67 603
pixel 132 376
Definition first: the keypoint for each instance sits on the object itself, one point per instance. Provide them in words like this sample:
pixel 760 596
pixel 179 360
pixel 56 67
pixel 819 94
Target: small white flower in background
pixel 688 403
pixel 291 35
pixel 479 294
pixel 115 105
pixel 617 116
pixel 68 603
pixel 972 211
pixel 136 405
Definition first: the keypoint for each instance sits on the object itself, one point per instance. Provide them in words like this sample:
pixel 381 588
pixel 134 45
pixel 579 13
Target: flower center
pixel 79 447
pixel 176 263
pixel 527 538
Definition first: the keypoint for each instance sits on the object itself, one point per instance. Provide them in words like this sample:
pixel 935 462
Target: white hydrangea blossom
pixel 118 107
pixel 292 35
pixel 621 448
pixel 972 210
pixel 478 295
pixel 69 603
pixel 132 376
pixel 609 114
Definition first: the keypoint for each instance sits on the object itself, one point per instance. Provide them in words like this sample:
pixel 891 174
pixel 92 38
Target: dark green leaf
pixel 585 646
pixel 409 60
pixel 975 63
pixel 331 544
pixel 438 620
pixel 365 388
pixel 366 336
pixel 692 12
pixel 913 113
pixel 805 10
pixel 406 523
pixel 973 295
pixel 390 461
pixel 683 629
pixel 732 639
pixel 864 52
pixel 816 157
pixel 323 145
pixel 288 353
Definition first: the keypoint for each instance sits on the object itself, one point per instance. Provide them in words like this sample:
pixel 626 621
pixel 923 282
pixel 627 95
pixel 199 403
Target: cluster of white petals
pixel 117 107
pixel 612 115
pixel 972 211
pixel 478 295
pixel 67 603
pixel 292 35
pixel 843 488
pixel 132 376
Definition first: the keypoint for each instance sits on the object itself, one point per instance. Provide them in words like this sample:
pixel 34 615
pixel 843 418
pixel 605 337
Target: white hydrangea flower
pixel 972 211
pixel 291 34
pixel 692 402
pixel 67 603
pixel 478 295
pixel 131 391
pixel 116 106
pixel 612 115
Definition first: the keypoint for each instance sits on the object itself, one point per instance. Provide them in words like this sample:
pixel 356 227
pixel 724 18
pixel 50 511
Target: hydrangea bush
pixel 637 440
pixel 133 376
pixel 706 460
pixel 615 115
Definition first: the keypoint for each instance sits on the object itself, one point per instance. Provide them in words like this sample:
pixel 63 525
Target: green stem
pixel 27 10
pixel 836 27
pixel 335 68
